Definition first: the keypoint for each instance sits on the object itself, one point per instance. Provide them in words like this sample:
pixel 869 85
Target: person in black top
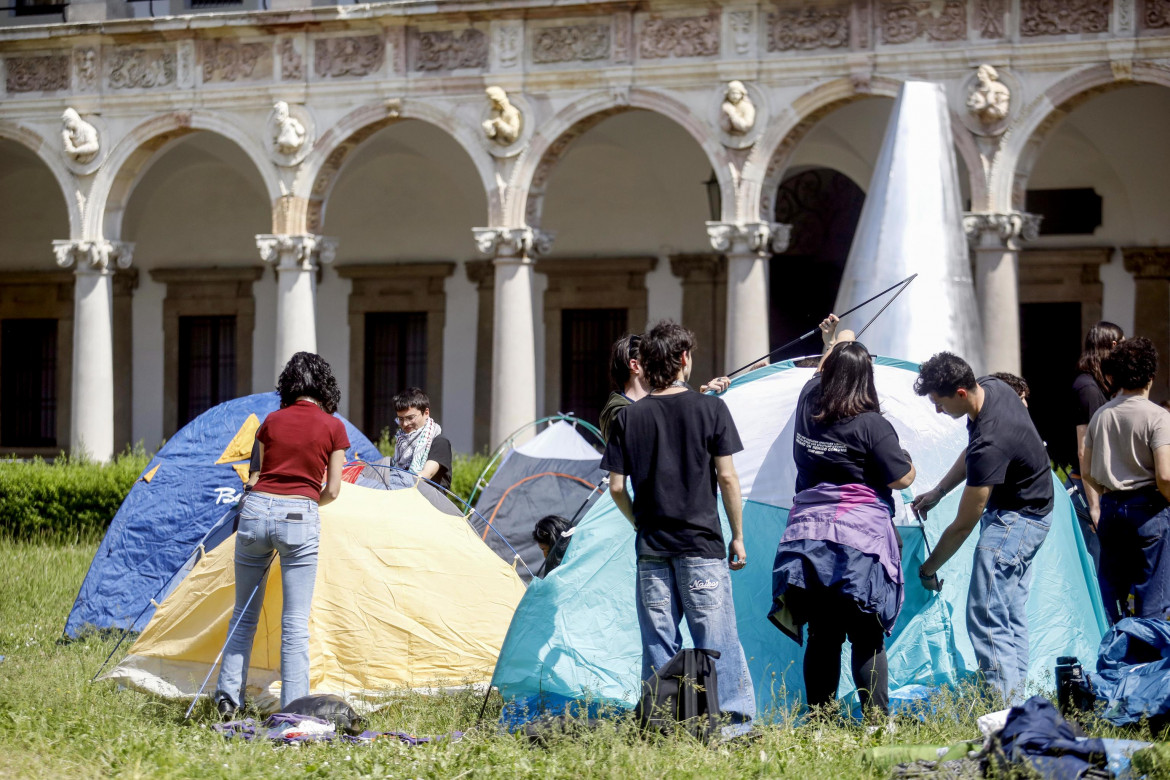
pixel 675 446
pixel 1091 388
pixel 832 576
pixel 549 535
pixel 420 446
pixel 1009 493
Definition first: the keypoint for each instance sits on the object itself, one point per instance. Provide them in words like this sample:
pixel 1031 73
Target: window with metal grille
pixel 396 358
pixel 28 383
pixel 586 338
pixel 207 364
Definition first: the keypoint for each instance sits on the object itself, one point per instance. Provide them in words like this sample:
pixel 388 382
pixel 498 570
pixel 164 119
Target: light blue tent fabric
pixel 152 539
pixel 575 634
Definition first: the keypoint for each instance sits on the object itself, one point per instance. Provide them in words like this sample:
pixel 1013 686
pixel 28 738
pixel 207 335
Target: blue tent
pixel 575 634
pixel 182 501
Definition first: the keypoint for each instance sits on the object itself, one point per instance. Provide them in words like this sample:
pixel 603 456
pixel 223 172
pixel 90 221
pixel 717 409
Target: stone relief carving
pixel 903 22
pixel 578 42
pixel 444 50
pixel 290 133
pixel 808 28
pixel 79 139
pixel 508 45
pixel 990 99
pixel 185 64
pixel 1155 14
pixel 292 64
pixel 740 23
pixel 227 60
pixel 85 64
pixel 989 18
pixel 738 113
pixel 1124 12
pixel 93 255
pixel 1006 227
pixel 520 241
pixel 49 73
pixel 1064 17
pixel 623 33
pixel 296 251
pixel 505 123
pixel 752 237
pixel 132 68
pixel 684 36
pixel 354 55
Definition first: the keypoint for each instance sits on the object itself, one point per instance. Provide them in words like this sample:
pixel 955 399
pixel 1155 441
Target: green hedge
pixel 67 500
pixel 64 500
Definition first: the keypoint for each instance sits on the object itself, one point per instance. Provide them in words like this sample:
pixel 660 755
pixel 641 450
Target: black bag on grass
pixel 682 695
pixel 328 707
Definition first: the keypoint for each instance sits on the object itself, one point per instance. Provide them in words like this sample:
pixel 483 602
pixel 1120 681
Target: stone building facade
pixel 478 196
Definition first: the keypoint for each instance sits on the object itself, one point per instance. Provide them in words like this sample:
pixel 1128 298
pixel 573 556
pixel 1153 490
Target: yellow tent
pixel 407 597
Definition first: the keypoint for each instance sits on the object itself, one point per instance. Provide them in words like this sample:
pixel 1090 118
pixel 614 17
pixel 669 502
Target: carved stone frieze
pixel 353 55
pixel 808 28
pixel 93 256
pixel 228 60
pixel 1006 227
pixel 512 242
pixel 1064 17
pixel 49 73
pixel 904 21
pixel 989 16
pixel 134 68
pixel 574 43
pixel 759 238
pixel 623 34
pixel 447 50
pixel 185 64
pixel 740 24
pixel 296 251
pixel 292 64
pixel 507 43
pixel 85 65
pixel 1155 14
pixel 679 36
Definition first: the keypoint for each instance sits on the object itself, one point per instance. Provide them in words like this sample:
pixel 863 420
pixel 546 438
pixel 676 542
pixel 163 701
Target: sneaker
pixel 225 707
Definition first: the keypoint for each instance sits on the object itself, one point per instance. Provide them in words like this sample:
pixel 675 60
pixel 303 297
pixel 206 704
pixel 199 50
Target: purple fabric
pixel 852 515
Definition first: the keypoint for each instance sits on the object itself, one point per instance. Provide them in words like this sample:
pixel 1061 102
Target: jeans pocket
pixel 296 526
pixel 653 590
pixel 1004 535
pixel 248 529
pixel 704 586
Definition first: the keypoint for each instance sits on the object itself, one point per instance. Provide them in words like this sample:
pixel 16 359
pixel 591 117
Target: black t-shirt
pixel 1006 453
pixel 863 449
pixel 666 445
pixel 1090 398
pixel 441 453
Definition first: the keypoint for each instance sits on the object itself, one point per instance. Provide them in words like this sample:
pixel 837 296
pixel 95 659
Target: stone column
pixel 996 239
pixel 92 432
pixel 513 330
pixel 1151 308
pixel 747 247
pixel 296 258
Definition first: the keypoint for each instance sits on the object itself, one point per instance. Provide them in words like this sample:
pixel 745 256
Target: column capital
pixel 515 242
pixel 1151 263
pixel 1005 229
pixel 93 256
pixel 707 268
pixel 742 238
pixel 296 251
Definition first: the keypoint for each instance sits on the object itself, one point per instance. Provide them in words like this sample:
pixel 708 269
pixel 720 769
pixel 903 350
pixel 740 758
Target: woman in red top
pixel 302 445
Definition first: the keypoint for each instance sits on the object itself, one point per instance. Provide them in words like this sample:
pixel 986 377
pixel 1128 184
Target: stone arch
pixel 769 159
pixel 319 172
pixel 526 189
pixel 128 161
pixel 1026 137
pixel 38 146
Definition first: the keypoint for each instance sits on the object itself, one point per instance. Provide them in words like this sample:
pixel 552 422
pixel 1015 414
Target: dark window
pixel 207 364
pixel 586 338
pixel 39 8
pixel 1071 212
pixel 1050 344
pixel 214 3
pixel 396 358
pixel 28 383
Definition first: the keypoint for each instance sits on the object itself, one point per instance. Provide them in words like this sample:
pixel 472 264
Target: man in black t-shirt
pixel 1009 493
pixel 675 445
pixel 420 446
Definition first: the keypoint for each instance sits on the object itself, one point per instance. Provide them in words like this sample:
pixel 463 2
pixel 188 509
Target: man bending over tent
pixel 419 446
pixel 1009 493
pixel 675 445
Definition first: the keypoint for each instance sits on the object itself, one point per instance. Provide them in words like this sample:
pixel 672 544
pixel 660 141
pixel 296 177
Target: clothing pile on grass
pixel 294 729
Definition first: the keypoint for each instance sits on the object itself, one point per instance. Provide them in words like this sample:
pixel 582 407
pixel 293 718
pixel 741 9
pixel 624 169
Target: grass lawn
pixel 54 722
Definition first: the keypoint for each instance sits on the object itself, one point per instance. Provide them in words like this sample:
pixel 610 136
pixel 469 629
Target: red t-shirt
pixel 298 440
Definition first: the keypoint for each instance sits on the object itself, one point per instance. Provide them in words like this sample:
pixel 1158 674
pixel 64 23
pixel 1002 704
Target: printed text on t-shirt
pixel 814 445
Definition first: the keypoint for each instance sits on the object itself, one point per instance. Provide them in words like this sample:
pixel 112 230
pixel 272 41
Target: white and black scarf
pixel 411 449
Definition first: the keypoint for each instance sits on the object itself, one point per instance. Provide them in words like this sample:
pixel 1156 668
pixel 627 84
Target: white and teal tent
pixel 574 636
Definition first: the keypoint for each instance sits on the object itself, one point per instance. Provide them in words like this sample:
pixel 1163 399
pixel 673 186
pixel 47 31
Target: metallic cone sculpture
pixel 912 223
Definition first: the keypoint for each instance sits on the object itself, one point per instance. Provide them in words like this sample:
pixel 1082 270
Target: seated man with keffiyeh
pixel 419 445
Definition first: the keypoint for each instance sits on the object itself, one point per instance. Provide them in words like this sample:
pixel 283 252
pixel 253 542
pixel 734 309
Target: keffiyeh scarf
pixel 411 449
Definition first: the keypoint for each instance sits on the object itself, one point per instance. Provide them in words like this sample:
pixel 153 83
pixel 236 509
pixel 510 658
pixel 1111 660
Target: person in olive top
pixel 419 446
pixel 1009 494
pixel 675 446
pixel 302 445
pixel 1127 452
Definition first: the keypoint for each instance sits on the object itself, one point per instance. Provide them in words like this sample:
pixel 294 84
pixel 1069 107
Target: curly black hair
pixel 661 351
pixel 1131 364
pixel 943 374
pixel 307 374
pixel 1017 383
pixel 624 350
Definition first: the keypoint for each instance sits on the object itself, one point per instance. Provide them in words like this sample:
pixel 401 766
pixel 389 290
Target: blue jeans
pixel 997 616
pixel 699 588
pixel 1134 554
pixel 292 528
